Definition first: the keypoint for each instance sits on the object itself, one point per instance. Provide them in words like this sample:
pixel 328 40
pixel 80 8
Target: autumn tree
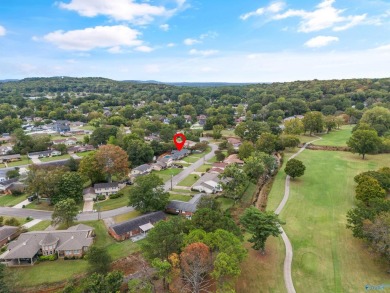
pixel 294 168
pixel 148 194
pixel 65 212
pixel 196 263
pixel 113 161
pixel 364 142
pixel 261 225
pixel 89 168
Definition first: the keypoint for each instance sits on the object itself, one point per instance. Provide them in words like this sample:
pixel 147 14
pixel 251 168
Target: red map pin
pixel 179 139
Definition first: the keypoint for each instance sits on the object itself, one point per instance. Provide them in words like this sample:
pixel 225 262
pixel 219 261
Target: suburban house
pixel 220 165
pixel 208 183
pixel 7 186
pixel 142 170
pixel 183 208
pixel 178 155
pixel 159 165
pixel 166 159
pixel 67 141
pixel 106 188
pixel 44 154
pixel 235 142
pixel 81 148
pixel 10 158
pixel 189 144
pixel 135 227
pixel 61 126
pixel 216 170
pixel 188 118
pixel 152 137
pixel 3 175
pixel 233 159
pixel 5 149
pixel 8 233
pixel 202 120
pixel 73 242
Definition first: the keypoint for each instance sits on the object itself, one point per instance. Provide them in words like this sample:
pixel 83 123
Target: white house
pixel 142 170
pixel 208 183
pixel 106 188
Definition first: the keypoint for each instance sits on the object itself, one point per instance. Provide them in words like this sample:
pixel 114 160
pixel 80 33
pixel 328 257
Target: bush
pixel 101 197
pixel 48 257
pixel 116 195
pixel 12 222
pixel 28 219
pixel 23 206
pixel 4 248
pixel 17 192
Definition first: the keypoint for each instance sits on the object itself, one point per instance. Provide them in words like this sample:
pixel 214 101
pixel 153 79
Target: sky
pixel 195 40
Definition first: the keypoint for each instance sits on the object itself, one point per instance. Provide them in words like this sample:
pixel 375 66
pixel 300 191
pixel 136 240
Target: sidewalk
pixel 20 205
pixel 31 223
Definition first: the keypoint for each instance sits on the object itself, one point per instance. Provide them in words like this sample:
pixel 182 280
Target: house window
pixel 68 252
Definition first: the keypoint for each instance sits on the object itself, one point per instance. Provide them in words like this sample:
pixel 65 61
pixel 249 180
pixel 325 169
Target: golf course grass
pixel 326 256
pixel 337 137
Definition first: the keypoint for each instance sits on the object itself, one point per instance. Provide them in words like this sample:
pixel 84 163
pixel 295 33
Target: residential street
pixel 89 216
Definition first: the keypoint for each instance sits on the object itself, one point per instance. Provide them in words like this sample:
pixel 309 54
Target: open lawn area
pixel 45 206
pixel 192 158
pixel 326 256
pixel 226 203
pixel 10 200
pixel 84 154
pixel 189 180
pixel 24 161
pixel 42 225
pixel 204 168
pixel 110 204
pixel 166 175
pixel 55 158
pixel 337 137
pixel 127 216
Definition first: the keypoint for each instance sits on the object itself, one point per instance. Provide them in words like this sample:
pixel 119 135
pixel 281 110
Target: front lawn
pixel 84 154
pixel 204 168
pixel 192 158
pixel 166 174
pixel 111 204
pixel 180 197
pixel 126 216
pixel 10 200
pixel 55 158
pixel 24 161
pixel 189 180
pixel 41 226
pixel 41 205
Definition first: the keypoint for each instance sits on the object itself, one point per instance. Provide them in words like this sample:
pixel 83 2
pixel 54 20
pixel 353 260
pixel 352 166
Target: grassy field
pixel 111 204
pixel 204 168
pixel 55 158
pixel 324 250
pixel 189 180
pixel 127 216
pixel 226 203
pixel 336 137
pixel 165 175
pixel 192 158
pixel 40 226
pixel 84 154
pixel 11 200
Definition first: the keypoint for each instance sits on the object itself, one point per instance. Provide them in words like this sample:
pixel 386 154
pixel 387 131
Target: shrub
pixel 48 257
pixel 101 197
pixel 17 192
pixel 4 248
pixel 28 219
pixel 12 222
pixel 23 206
pixel 116 195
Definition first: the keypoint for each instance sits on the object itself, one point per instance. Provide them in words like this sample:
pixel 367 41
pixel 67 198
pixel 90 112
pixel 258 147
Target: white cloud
pixel 383 48
pixel 92 38
pixel 164 27
pixel 121 10
pixel 115 50
pixel 190 42
pixel 323 17
pixel 274 7
pixel 2 31
pixel 145 49
pixel 170 45
pixel 202 52
pixel 209 34
pixel 320 41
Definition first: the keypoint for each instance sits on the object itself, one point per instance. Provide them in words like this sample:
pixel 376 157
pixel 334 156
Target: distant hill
pixel 191 84
pixel 8 80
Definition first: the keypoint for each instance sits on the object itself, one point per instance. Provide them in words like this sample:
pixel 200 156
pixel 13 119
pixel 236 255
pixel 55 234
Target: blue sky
pixel 195 40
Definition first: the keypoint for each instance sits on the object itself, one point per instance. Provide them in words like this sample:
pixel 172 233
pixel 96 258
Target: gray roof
pixel 143 167
pixel 106 185
pixel 9 181
pixel 189 206
pixel 8 157
pixel 7 231
pixel 28 244
pixel 178 154
pixel 130 225
pixel 40 153
pixel 207 177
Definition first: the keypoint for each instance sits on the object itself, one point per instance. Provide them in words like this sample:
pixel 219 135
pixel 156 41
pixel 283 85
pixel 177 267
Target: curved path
pixel 289 252
pixel 46 215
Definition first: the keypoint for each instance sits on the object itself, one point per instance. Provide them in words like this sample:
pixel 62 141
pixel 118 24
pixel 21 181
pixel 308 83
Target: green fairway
pixel 326 256
pixel 337 137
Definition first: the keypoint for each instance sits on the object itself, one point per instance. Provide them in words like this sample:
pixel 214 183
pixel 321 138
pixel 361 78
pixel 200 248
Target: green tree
pixel 65 212
pixel 219 155
pixel 369 188
pixel 70 186
pixel 245 150
pixel 13 173
pixel 89 168
pixel 313 122
pixel 217 131
pixel 261 225
pixel 267 143
pixel 289 141
pixel 99 260
pixel 294 126
pixel 364 142
pixel 99 283
pixel 294 168
pixel 236 182
pixel 139 152
pixel 378 118
pixel 148 194
pixel 254 168
pixel 163 268
pixel 4 284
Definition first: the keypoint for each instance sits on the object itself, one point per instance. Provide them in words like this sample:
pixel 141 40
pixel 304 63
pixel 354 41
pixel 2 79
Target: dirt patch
pixel 128 265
